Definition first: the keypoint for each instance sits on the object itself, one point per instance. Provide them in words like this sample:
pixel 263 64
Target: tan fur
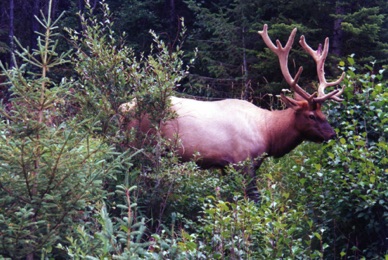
pixel 217 133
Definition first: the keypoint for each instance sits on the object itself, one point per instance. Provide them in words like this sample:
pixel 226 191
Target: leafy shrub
pixel 342 185
pixel 354 170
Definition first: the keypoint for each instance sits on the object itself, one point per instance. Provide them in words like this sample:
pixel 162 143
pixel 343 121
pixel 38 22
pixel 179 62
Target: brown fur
pixel 217 133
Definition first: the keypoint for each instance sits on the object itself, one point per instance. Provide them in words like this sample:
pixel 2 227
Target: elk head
pixel 312 122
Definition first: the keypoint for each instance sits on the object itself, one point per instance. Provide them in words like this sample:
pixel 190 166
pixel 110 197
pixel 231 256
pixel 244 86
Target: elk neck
pixel 282 133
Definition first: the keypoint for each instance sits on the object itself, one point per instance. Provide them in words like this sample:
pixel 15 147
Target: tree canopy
pixel 231 58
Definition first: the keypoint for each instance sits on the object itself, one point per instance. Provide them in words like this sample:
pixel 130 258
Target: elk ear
pixel 294 104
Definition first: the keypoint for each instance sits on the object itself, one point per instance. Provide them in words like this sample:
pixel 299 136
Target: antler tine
pixel 282 53
pixel 319 57
pixel 334 95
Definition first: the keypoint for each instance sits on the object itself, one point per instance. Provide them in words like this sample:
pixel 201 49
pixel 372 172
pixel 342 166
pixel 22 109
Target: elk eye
pixel 312 117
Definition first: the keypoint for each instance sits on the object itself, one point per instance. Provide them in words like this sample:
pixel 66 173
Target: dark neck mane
pixel 283 135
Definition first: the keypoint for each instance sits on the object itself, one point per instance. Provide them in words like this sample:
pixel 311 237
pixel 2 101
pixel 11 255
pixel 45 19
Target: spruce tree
pixel 227 40
pixel 51 168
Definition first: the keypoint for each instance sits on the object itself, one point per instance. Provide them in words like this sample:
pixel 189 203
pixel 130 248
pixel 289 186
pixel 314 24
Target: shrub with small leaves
pixel 344 184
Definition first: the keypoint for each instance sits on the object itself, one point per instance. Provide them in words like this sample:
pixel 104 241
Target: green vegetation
pixel 51 166
pixel 73 187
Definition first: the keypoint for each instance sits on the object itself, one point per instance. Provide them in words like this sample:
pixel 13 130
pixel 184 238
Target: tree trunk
pixel 30 256
pixel 54 9
pixel 11 32
pixel 172 16
pixel 94 5
pixel 80 6
pixel 35 23
pixel 245 68
pixel 338 33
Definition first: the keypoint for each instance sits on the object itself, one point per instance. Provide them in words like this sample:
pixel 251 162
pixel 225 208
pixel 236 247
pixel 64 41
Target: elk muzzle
pixel 328 133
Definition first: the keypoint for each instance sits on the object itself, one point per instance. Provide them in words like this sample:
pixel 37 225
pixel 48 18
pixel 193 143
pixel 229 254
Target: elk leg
pixel 251 189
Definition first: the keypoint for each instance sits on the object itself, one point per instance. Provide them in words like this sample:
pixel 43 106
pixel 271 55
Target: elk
pixel 219 133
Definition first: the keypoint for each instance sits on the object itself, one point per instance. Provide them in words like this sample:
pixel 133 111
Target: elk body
pixel 218 133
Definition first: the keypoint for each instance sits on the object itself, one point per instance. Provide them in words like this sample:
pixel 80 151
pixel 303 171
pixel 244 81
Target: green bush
pixel 342 186
pixel 51 167
pixel 353 183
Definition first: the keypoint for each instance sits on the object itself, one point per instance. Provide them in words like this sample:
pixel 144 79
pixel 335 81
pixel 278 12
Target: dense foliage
pixel 73 186
pixel 49 180
pixel 231 59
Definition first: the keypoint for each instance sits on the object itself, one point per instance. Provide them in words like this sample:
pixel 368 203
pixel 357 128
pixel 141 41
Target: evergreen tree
pixel 363 30
pixel 358 27
pixel 226 38
pixel 51 168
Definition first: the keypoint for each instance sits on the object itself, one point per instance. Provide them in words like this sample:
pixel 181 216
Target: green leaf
pixel 351 61
pixel 317 235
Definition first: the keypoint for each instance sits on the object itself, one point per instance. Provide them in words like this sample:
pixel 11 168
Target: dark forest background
pixel 231 59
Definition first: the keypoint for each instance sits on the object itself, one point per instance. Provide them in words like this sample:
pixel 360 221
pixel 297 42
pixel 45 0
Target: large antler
pixel 319 57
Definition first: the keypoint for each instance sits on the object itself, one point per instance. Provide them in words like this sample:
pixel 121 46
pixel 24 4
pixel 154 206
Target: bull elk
pixel 218 133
